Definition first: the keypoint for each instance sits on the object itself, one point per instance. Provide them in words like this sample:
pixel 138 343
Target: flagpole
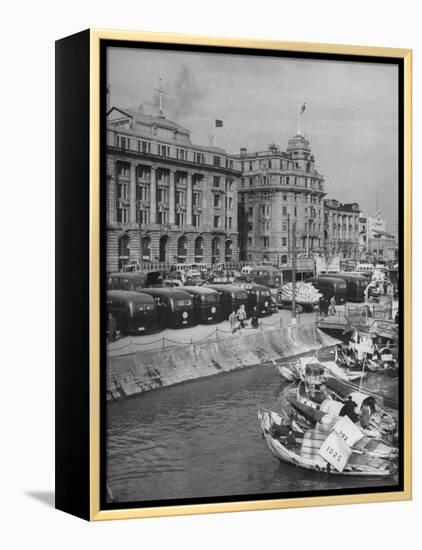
pixel 298 121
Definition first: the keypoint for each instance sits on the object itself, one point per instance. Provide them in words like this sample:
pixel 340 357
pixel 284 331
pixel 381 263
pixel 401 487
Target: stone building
pixel 341 229
pixel 276 190
pixel 382 246
pixel 169 200
pixel 379 243
pixel 363 238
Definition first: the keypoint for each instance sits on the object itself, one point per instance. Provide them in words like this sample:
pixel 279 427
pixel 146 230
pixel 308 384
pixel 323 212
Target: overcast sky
pixel 351 118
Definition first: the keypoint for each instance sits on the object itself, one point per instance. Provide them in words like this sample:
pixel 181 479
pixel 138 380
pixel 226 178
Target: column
pixel 206 197
pixel 153 196
pixel 189 200
pixel 132 194
pixel 172 196
pixel 111 190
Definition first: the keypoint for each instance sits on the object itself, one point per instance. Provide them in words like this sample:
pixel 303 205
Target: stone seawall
pixel 149 370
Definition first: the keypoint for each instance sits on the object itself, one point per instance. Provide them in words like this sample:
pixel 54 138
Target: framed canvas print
pixel 233 280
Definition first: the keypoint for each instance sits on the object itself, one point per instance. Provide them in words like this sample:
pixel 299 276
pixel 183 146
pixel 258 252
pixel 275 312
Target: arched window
pixel 123 251
pixel 199 249
pixel 228 250
pixel 215 250
pixel 182 250
pixel 163 251
pixel 146 249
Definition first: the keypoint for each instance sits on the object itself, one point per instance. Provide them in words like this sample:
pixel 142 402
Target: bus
pixel 267 275
pixel 231 296
pixel 364 268
pixel 135 280
pixel 206 304
pixel 259 296
pixel 135 312
pixel 355 285
pixel 174 307
pixel 330 286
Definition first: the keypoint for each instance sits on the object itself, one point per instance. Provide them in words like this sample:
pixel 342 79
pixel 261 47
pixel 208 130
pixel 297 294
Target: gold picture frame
pixel 91 508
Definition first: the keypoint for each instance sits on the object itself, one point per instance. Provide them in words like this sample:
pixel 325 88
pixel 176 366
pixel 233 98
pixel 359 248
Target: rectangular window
pixel 217 161
pixel 180 218
pixel 216 181
pixel 216 221
pixel 295 211
pixel 249 241
pixel 230 222
pixel 284 197
pixel 284 210
pixel 284 241
pixel 216 201
pixel 287 180
pixel 266 242
pixel 250 166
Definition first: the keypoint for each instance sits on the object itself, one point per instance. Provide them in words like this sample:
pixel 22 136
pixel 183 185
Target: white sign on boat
pixel 348 431
pixel 335 451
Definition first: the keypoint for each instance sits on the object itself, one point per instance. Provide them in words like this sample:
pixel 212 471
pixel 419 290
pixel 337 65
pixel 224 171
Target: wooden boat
pixel 288 370
pixel 369 458
pixel 295 370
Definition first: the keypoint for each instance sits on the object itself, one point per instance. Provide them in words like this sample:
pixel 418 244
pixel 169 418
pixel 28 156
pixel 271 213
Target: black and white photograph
pixel 252 261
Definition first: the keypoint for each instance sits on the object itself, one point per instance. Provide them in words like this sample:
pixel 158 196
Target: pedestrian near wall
pixel 333 306
pixel 241 316
pixel 232 321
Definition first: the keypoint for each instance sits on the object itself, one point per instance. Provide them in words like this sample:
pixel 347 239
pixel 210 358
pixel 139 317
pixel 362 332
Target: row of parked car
pixel 142 303
pixel 149 309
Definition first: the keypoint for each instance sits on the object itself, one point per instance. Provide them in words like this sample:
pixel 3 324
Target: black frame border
pixel 399 62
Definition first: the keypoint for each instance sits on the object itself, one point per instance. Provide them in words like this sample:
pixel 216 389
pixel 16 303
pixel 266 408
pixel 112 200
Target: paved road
pixel 173 337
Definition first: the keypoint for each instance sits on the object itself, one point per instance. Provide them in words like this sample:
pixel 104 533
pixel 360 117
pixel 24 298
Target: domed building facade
pixel 278 189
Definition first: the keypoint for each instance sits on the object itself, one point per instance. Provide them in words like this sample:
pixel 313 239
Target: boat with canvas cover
pixel 306 449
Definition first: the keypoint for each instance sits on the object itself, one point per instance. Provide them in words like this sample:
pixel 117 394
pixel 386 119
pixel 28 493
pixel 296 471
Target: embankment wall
pixel 149 370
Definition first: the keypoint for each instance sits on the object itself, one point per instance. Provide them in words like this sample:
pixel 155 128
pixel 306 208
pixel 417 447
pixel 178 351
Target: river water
pixel 203 439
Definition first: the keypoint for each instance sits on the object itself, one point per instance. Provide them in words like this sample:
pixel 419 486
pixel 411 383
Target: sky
pixel 351 116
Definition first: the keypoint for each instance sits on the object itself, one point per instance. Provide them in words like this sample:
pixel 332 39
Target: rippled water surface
pixel 202 439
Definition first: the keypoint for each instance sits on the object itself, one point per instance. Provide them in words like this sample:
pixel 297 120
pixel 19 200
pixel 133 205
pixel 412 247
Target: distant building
pixel 276 190
pixel 183 195
pixel 383 246
pixel 375 223
pixel 341 229
pixel 380 244
pixel 363 237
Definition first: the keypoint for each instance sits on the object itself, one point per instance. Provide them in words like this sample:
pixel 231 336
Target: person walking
pixel 323 306
pixel 241 316
pixel 232 321
pixel 333 306
pixel 254 320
